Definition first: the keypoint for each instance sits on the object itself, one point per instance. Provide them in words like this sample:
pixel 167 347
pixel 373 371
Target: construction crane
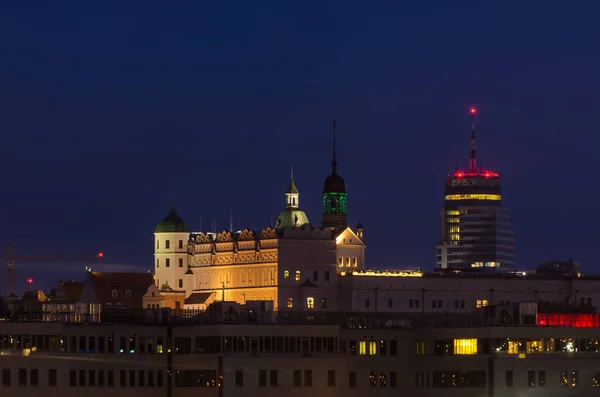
pixel 11 259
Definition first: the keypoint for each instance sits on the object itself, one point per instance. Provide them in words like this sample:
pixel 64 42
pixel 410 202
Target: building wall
pixel 395 294
pixel 177 256
pixel 381 361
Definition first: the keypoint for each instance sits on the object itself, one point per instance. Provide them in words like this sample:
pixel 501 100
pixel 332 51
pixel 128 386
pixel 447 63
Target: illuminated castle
pixel 475 227
pixel 294 264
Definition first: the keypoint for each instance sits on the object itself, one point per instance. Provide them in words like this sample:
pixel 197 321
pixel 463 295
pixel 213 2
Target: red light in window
pixel 568 320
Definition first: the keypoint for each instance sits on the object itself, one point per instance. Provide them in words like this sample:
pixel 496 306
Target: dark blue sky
pixel 108 110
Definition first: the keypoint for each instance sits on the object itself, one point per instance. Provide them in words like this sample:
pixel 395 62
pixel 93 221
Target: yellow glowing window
pixel 341 262
pixel 482 303
pixel 372 348
pixel 535 346
pixel 513 347
pixel 290 303
pixel 310 303
pixel 490 197
pixel 159 349
pixel 286 274
pixel 362 348
pixel 465 346
pixel 452 212
pixel 297 275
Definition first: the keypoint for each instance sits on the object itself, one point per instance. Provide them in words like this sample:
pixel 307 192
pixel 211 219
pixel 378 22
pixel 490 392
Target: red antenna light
pixel 100 255
pixel 29 280
pixel 473 110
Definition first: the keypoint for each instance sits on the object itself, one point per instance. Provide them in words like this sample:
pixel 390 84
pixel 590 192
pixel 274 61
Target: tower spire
pixel 334 162
pixel 473 159
pixel 291 172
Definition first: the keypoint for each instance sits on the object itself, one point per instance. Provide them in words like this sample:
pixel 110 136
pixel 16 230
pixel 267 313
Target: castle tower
pixel 334 196
pixel 170 252
pixel 292 215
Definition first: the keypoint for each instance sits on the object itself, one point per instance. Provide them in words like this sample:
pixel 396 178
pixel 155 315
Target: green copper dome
pixel 171 223
pixel 291 217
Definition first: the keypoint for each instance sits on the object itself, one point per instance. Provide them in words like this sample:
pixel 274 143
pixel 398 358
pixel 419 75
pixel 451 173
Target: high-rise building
pixel 475 230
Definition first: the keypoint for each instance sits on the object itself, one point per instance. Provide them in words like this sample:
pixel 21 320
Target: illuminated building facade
pixel 302 359
pixel 293 264
pixel 475 232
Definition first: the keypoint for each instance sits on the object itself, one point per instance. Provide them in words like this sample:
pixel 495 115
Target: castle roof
pixel 172 223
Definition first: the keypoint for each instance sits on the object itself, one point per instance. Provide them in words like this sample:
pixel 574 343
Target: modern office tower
pixel 475 232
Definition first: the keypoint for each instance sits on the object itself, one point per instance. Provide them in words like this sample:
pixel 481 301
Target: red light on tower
pixel 100 255
pixel 473 111
pixel 29 280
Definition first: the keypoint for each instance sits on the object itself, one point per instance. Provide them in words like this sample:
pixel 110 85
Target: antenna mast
pixel 473 159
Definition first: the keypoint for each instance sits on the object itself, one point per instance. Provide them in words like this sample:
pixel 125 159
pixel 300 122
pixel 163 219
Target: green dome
pixel 171 223
pixel 291 217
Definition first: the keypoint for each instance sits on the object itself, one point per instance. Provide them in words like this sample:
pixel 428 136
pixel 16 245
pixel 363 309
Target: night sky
pixel 107 111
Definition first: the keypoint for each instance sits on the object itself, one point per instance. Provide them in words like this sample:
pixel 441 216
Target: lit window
pixel 362 348
pixel 354 262
pixel 482 303
pixel 290 303
pixel 286 274
pixel 491 197
pixel 372 348
pixel 297 275
pixel 341 262
pixel 310 303
pixel 465 346
pixel 347 262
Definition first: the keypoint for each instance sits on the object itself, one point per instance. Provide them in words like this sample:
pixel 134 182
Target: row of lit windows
pixel 181 345
pixel 310 303
pixel 470 346
pixel 168 262
pixel 491 197
pixel 315 275
pixel 168 244
pixel 350 262
pixel 566 379
pixel 369 347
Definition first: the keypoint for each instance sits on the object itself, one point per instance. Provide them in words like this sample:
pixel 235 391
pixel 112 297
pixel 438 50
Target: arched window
pixel 114 293
pixel 326 275
pixel 286 274
pixel 294 201
pixel 315 276
pixel 128 293
pixel 297 275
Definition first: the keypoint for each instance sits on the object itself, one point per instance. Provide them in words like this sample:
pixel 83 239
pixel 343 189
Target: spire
pixel 291 172
pixel 334 163
pixel 173 201
pixel 473 159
